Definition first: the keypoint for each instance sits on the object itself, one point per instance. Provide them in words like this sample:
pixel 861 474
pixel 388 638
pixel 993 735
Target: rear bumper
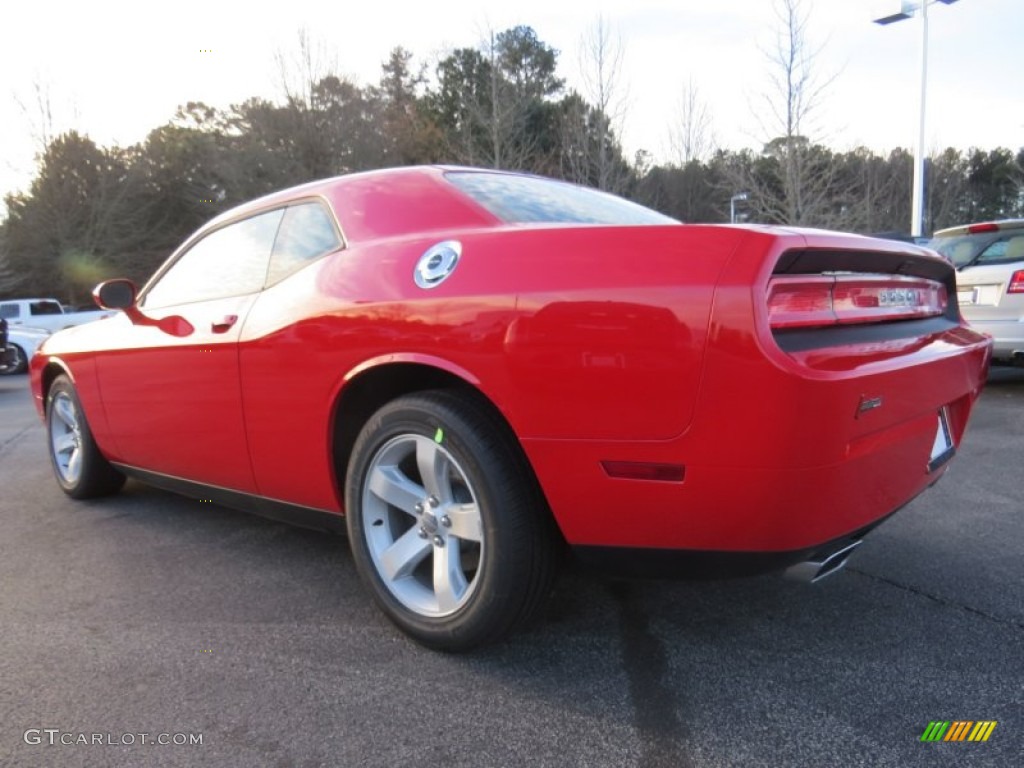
pixel 1007 336
pixel 778 516
pixel 780 459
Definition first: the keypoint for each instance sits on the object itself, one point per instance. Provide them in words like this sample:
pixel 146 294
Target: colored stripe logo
pixel 959 730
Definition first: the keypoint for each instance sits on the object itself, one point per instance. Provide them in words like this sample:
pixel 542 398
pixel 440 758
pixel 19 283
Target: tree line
pixel 93 212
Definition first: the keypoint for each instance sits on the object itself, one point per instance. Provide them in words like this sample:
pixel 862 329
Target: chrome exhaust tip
pixel 823 563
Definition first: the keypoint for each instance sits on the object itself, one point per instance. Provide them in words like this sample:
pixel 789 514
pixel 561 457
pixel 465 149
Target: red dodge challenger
pixel 470 369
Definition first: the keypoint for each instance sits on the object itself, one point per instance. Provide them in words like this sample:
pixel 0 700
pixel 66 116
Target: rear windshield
pixel 959 249
pixel 981 248
pixel 531 199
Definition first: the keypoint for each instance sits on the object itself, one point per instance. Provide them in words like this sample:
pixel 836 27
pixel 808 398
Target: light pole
pixel 906 11
pixel 740 196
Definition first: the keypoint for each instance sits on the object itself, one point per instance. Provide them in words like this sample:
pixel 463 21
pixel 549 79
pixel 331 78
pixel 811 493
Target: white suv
pixel 989 260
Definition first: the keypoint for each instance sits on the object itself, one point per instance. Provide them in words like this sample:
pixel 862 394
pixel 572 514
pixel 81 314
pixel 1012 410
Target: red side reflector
pixel 645 470
pixel 1016 282
pixel 817 300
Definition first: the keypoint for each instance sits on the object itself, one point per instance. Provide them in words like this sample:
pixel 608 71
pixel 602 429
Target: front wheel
pixel 80 469
pixel 446 521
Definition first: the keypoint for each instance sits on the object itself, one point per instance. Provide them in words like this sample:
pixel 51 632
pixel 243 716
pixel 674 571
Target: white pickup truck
pixel 49 314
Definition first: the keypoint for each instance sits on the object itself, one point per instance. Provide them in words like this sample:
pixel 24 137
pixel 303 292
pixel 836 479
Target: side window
pixel 231 261
pixel 9 310
pixel 307 232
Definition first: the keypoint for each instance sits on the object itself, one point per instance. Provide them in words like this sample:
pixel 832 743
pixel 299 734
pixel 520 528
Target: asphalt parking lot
pixel 148 613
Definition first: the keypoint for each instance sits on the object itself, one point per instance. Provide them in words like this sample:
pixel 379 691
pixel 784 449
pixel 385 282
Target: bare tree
pixel 314 94
pixel 601 69
pixel 507 144
pixel 301 69
pixel 37 109
pixel 591 126
pixel 948 200
pixel 39 113
pixel 691 134
pixel 792 182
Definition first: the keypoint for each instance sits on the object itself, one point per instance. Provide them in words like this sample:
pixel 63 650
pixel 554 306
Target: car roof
pixel 360 200
pixel 390 202
pixel 323 187
pixel 981 227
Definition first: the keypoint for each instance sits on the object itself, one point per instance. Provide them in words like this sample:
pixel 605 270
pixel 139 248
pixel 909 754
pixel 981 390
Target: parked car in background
pixel 22 343
pixel 45 313
pixel 902 237
pixel 989 259
pixel 471 369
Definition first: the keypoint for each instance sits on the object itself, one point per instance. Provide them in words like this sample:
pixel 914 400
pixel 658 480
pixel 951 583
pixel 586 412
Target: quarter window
pixel 231 261
pixel 306 233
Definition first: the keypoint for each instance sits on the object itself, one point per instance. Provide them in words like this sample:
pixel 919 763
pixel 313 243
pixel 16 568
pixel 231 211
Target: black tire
pixel 78 465
pixel 486 519
pixel 14 360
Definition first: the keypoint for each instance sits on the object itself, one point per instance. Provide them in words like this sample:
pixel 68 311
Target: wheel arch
pixel 54 367
pixel 372 385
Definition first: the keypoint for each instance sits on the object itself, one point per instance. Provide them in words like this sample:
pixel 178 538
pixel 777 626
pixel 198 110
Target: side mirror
pixel 122 294
pixel 115 294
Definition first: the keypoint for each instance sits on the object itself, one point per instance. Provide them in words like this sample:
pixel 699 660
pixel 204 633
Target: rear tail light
pixel 820 300
pixel 1016 282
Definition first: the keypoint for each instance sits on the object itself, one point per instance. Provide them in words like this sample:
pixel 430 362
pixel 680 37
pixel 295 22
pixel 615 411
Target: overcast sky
pixel 115 70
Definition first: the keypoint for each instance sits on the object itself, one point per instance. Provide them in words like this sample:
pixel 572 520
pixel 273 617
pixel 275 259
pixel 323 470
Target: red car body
pixel 660 406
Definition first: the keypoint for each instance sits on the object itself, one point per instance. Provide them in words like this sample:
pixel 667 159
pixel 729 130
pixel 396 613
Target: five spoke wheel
pixel 446 522
pixel 65 438
pixel 422 525
pixel 82 471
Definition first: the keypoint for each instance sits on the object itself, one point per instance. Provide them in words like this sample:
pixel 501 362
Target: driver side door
pixel 174 404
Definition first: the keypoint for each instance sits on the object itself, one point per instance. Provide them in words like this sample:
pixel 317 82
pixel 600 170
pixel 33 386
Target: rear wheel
pixel 446 522
pixel 80 468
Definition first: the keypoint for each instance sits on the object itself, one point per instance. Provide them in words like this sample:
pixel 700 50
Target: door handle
pixel 224 324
